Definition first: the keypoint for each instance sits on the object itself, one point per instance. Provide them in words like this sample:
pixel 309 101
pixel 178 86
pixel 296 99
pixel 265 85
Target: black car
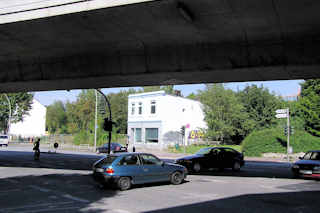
pixel 213 157
pixel 308 165
pixel 115 147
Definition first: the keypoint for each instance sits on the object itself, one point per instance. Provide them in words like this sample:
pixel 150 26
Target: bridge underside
pixel 163 42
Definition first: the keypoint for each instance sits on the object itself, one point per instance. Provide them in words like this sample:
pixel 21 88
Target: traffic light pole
pixel 110 119
pixel 288 133
pixel 95 121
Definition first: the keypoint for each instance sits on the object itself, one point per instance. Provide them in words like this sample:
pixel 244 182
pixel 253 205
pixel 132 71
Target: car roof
pixel 130 153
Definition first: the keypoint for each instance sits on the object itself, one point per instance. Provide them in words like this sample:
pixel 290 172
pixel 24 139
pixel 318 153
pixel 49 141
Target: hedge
pixel 274 141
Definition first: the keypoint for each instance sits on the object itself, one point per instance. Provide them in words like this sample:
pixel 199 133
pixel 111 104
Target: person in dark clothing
pixel 36 148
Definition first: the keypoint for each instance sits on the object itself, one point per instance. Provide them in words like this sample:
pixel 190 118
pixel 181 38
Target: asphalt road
pixel 62 182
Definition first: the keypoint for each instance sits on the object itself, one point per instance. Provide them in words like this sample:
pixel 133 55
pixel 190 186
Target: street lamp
pixel 107 125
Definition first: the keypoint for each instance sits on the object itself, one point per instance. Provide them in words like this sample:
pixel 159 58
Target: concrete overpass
pixel 72 44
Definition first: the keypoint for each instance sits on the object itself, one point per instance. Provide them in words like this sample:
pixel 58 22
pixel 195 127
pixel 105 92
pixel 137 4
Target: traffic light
pixel 107 125
pixel 183 130
pixel 285 130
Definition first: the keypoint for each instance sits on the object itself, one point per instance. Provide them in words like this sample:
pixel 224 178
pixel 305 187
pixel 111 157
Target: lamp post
pixel 107 122
pixel 9 120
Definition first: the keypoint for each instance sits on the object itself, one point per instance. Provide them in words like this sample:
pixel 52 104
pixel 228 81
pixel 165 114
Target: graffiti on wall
pixel 195 134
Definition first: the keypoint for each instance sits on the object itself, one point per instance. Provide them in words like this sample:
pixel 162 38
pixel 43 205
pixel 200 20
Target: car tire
pixel 124 183
pixel 176 178
pixel 196 167
pixel 236 166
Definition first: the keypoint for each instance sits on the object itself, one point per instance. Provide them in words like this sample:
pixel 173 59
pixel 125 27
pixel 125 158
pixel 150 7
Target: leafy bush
pixel 274 141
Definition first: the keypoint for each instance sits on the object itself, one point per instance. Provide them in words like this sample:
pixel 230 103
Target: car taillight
pixel 109 171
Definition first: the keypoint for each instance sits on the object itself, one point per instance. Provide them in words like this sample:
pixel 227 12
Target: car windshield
pixel 203 151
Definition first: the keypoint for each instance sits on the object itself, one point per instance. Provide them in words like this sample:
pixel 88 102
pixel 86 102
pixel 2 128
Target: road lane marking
pixel 35 206
pixel 12 181
pixel 75 198
pixel 52 209
pixel 40 188
pixel 212 180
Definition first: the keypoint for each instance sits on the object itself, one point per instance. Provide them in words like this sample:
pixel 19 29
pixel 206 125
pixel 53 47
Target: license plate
pixel 306 172
pixel 99 170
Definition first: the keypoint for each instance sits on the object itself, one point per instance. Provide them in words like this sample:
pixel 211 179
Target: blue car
pixel 125 169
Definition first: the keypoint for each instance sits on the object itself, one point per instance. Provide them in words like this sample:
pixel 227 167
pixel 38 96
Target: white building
pixel 155 119
pixel 33 124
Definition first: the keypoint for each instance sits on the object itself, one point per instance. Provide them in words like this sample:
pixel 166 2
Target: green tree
pixel 151 88
pixel 260 105
pixel 56 118
pixel 224 114
pixel 169 89
pixel 20 106
pixel 119 107
pixel 309 105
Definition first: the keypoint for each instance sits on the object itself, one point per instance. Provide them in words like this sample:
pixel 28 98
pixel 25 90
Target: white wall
pixel 172 113
pixel 33 124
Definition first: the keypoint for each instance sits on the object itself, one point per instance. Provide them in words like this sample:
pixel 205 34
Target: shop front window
pixel 152 135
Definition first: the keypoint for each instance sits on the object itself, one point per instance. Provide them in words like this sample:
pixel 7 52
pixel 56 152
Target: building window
pixel 138 135
pixel 152 135
pixel 153 107
pixel 132 108
pixel 140 108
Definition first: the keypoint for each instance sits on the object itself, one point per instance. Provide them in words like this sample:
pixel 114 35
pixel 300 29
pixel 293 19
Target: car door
pixel 130 166
pixel 153 168
pixel 212 160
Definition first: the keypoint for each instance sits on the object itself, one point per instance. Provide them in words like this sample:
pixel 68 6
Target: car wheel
pixel 124 183
pixel 196 167
pixel 236 166
pixel 176 178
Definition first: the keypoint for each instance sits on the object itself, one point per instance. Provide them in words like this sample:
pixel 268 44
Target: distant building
pixel 33 124
pixel 155 119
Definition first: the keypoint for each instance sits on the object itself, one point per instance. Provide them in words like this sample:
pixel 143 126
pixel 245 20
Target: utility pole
pixel 288 135
pixel 96 122
pixel 9 120
pixel 284 113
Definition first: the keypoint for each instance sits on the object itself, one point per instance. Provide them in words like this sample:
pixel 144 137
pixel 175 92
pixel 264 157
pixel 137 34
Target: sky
pixel 280 88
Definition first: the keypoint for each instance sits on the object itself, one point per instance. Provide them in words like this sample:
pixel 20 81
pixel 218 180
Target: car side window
pixel 129 160
pixel 307 156
pixel 150 160
pixel 315 156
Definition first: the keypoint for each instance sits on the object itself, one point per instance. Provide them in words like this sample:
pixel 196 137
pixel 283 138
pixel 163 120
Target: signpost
pixel 284 113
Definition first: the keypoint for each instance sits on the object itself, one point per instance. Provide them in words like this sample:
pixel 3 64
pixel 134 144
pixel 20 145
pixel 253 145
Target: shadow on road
pixel 262 169
pixel 48 160
pixel 305 201
pixel 52 193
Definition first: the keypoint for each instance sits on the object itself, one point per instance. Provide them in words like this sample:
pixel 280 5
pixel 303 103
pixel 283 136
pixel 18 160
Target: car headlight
pixel 295 166
pixel 316 168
